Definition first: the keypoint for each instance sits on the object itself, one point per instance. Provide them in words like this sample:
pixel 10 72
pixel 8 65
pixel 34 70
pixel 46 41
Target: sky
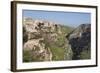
pixel 66 18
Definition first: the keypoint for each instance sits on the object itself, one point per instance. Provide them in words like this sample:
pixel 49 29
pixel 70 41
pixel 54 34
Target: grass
pixel 86 54
pixel 27 56
pixel 58 53
pixel 58 48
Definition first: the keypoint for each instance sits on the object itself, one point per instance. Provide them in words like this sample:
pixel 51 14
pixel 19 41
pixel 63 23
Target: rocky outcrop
pixel 46 41
pixel 80 40
pixel 34 34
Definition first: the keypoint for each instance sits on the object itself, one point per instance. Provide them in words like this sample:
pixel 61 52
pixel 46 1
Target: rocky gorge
pixel 49 41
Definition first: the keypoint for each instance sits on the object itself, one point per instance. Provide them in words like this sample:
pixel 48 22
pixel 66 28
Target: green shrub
pixel 86 54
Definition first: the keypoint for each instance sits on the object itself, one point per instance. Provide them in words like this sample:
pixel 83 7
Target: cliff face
pixel 80 40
